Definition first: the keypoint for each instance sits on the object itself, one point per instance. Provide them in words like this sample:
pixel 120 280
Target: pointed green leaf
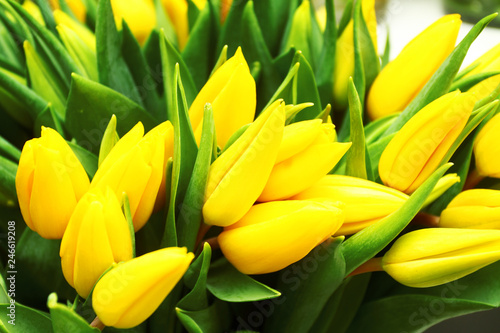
pixel 9 150
pixel 113 70
pixel 8 170
pixel 300 34
pixel 91 105
pixel 307 92
pixel 128 217
pixel 356 164
pixel 214 319
pixel 326 61
pixel 285 90
pixel 228 284
pixel 371 240
pixel 65 319
pixel 163 22
pixel 109 139
pixel 27 320
pixel 89 161
pixel 272 16
pixel 470 81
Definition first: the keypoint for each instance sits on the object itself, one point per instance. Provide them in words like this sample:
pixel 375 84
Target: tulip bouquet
pixel 242 166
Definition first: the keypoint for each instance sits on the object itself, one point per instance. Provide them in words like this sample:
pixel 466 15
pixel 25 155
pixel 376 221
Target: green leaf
pixel 65 319
pixel 300 34
pixel 190 214
pixel 201 37
pixel 9 150
pixel 356 164
pixel 343 304
pixel 346 17
pixel 272 16
pixel 360 63
pixel 91 105
pixel 113 70
pixel 47 15
pixel 197 298
pixel 375 129
pixel 369 241
pixel 326 61
pixel 11 53
pixel 371 60
pixel 306 286
pixel 375 151
pixel 146 79
pixel 255 49
pixel 214 319
pixel 27 320
pixel 128 216
pixel 470 81
pixel 387 50
pixel 185 149
pixel 8 170
pixel 306 90
pixel 286 90
pixel 170 57
pixel 48 118
pixel 109 139
pixel 441 81
pixel 228 284
pixel 88 160
pixel 220 61
pixel 163 23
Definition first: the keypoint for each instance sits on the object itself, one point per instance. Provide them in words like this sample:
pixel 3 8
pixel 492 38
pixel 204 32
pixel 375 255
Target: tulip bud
pixel 365 202
pixel 76 6
pixel 97 236
pixel 487 149
pixel 134 166
pixel 238 176
pixel 140 16
pixel 474 209
pixel 344 53
pixel 231 92
pixel 49 182
pixel 34 11
pixel 307 153
pixel 85 34
pixel 130 292
pixel 488 62
pixel 430 257
pixel 403 78
pixel 177 11
pixel 419 147
pixel 276 234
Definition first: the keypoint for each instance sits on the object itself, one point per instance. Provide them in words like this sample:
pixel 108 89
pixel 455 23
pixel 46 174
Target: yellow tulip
pixel 140 16
pixel 130 292
pixel 164 130
pixel 307 153
pixel 177 11
pixel 134 166
pixel 238 176
pixel 488 62
pixel 344 53
pixel 365 202
pixel 76 6
pixel 487 149
pixel 232 93
pixel 97 236
pixel 430 257
pixel 34 11
pixel 403 78
pixel 50 180
pixel 474 209
pixel 276 234
pixel 484 88
pixel 418 148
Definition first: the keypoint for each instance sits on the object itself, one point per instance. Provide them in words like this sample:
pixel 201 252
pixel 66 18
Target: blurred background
pixel 403 20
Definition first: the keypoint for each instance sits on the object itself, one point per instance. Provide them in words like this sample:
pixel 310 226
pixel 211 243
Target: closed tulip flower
pixel 232 93
pixel 177 11
pixel 130 292
pixel 97 236
pixel 239 175
pixel 403 78
pixel 140 16
pixel 134 166
pixel 366 202
pixel 430 257
pixel 77 7
pixel 488 62
pixel 474 209
pixel 419 147
pixel 344 53
pixel 276 234
pixel 487 150
pixel 307 153
pixel 49 182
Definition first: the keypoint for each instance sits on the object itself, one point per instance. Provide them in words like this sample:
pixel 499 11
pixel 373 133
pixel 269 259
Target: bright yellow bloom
pixel 307 153
pixel 49 182
pixel 344 53
pixel 85 34
pixel 166 131
pixel 130 292
pixel 485 87
pixel 134 166
pixel 34 11
pixel 474 209
pixel 365 202
pixel 488 62
pixel 487 149
pixel 238 176
pixel 140 16
pixel 232 93
pixel 276 234
pixel 177 11
pixel 76 6
pixel 403 78
pixel 418 148
pixel 97 236
pixel 430 257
